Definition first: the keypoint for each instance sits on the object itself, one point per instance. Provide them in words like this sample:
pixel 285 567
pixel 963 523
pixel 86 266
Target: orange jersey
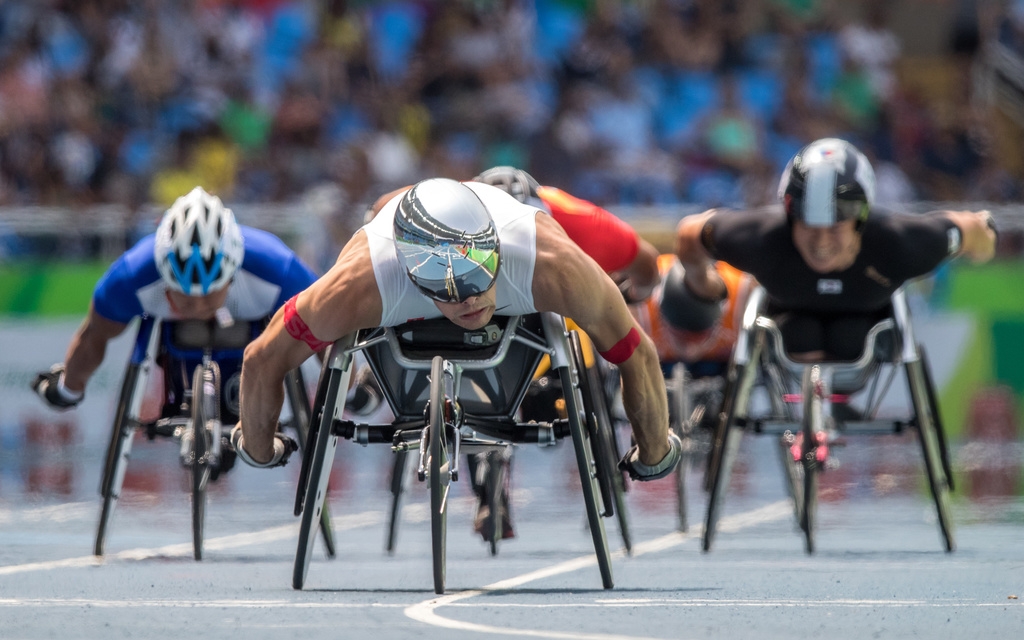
pixel 612 243
pixel 715 344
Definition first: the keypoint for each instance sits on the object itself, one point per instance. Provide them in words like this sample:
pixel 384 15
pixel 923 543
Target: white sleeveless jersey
pixel 517 232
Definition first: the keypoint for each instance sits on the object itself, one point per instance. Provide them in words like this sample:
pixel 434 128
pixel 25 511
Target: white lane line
pixel 272 534
pixel 191 604
pixel 425 612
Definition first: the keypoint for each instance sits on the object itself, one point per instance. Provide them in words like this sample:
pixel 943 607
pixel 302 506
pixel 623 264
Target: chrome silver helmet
pixel 827 182
pixel 198 244
pixel 446 240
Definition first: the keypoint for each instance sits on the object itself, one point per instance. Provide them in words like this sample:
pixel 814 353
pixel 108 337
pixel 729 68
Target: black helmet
pixel 515 182
pixel 446 240
pixel 827 182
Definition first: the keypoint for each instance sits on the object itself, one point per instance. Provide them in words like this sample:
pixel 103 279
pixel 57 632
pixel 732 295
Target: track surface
pixel 879 572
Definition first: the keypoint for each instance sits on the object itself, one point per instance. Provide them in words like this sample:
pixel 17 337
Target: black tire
pixel 317 468
pixel 298 399
pixel 930 448
pixel 793 473
pixel 315 418
pixel 724 446
pixel 725 413
pixel 812 425
pixel 809 512
pixel 585 463
pixel 441 394
pixel 602 438
pixel 203 409
pixel 496 501
pixel 398 472
pixel 118 451
pixel 940 429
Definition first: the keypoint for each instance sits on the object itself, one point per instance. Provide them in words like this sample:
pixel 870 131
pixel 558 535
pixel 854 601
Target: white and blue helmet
pixel 198 244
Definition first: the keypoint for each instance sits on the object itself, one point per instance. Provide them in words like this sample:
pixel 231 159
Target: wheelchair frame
pixel 201 455
pixel 595 389
pixel 759 354
pixel 428 388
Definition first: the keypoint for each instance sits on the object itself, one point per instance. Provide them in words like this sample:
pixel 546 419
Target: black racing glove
pixel 45 385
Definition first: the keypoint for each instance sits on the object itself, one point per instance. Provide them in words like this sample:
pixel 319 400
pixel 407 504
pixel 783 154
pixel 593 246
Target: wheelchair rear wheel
pixel 316 464
pixel 585 461
pixel 725 442
pixel 940 430
pixel 441 394
pixel 295 387
pixel 118 453
pixel 928 434
pixel 599 428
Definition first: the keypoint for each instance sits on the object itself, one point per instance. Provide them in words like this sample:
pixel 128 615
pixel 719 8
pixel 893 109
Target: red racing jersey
pixel 612 243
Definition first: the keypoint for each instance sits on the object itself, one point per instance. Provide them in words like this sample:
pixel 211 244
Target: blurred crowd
pixel 631 102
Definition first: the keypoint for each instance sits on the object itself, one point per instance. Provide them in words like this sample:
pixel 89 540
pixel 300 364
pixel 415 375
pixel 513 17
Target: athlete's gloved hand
pixel 283 448
pixel 48 386
pixel 631 293
pixel 684 309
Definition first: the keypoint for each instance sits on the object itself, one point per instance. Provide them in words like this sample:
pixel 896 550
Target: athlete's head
pixel 198 245
pixel 827 182
pixel 447 241
pixel 827 190
pixel 515 182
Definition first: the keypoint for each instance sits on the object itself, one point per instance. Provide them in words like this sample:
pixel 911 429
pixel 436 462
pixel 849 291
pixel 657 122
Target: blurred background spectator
pixel 333 102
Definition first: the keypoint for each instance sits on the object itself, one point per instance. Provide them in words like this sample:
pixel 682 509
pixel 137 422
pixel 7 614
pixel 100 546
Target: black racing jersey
pixel 895 247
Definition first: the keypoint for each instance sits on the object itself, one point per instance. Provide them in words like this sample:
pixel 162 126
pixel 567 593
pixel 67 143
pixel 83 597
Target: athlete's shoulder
pixel 135 268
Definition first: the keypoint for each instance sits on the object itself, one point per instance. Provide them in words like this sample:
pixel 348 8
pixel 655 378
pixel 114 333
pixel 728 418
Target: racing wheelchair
pixel 189 352
pixel 811 403
pixel 451 392
pixel 544 401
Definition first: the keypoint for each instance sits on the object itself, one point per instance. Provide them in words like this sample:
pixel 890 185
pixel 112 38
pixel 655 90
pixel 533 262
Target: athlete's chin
pixel 475 320
pixel 826 265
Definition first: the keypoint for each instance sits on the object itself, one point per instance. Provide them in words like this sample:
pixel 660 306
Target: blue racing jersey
pixel 270 274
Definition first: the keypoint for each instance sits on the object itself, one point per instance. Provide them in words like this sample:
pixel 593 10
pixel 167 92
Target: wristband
pixel 67 394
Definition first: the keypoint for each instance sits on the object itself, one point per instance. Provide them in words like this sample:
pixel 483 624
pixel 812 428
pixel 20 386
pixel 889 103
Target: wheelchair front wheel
pixel 204 410
pixel 496 499
pixel 398 473
pixel 118 452
pixel 812 455
pixel 441 394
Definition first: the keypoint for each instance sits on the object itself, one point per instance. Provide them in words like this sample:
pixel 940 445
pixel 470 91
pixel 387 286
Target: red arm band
pixel 622 349
pixel 297 327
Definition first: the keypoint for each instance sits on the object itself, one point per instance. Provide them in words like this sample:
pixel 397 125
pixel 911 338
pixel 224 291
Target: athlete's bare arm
pixel 342 301
pixel 88 347
pixel 702 278
pixel 568 282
